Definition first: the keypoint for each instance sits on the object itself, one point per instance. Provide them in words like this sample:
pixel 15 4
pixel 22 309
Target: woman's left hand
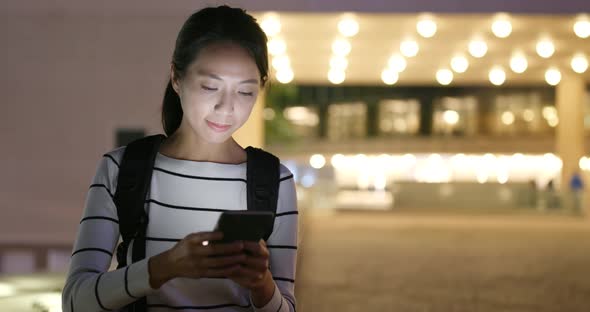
pixel 254 272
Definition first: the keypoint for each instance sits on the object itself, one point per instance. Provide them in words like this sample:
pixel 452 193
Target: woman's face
pixel 218 91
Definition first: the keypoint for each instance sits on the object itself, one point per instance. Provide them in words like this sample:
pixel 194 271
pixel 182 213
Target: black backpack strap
pixel 134 179
pixel 263 174
pixel 135 174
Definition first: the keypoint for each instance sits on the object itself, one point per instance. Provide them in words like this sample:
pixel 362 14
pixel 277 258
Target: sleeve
pixel 89 286
pixel 282 245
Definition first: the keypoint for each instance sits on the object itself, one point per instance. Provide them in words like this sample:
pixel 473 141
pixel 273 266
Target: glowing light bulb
pixel 271 25
pixel 444 76
pixel 502 27
pixel 426 28
pixel 579 63
pixel 348 27
pixel 582 27
pixel 553 76
pixel 497 76
pixel 545 48
pixel 336 76
pixel 409 48
pixel 518 63
pixel 389 76
pixel 459 64
pixel 478 48
pixel 341 47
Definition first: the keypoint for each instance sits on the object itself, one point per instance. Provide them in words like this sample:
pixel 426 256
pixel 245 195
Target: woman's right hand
pixel 196 257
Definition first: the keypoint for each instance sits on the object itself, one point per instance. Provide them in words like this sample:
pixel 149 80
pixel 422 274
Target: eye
pixel 208 88
pixel 246 93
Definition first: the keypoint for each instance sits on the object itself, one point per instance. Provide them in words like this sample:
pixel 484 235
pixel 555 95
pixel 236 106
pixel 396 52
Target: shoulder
pixel 114 156
pixel 107 168
pixel 285 173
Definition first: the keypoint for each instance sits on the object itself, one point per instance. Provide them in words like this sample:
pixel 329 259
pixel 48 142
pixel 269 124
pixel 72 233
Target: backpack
pixel 135 173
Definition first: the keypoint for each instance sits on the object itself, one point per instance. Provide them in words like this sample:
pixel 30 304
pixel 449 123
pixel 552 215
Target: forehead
pixel 226 59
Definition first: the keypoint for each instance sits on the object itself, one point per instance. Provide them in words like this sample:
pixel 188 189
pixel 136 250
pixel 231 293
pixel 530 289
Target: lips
pixel 218 127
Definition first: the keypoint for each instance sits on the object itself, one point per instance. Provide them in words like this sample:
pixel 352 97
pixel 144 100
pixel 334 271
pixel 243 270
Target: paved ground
pixel 422 262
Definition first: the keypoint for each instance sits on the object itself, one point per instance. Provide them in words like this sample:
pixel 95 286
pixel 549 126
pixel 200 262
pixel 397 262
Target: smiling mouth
pixel 218 127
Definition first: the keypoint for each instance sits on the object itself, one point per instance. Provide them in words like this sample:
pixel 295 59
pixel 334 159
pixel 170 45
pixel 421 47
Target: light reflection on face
pixel 218 91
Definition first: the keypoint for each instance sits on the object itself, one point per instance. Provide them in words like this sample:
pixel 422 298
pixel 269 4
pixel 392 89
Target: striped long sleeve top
pixel 184 197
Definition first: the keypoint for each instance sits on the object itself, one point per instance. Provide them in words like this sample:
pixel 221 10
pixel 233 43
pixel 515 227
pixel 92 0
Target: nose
pixel 225 105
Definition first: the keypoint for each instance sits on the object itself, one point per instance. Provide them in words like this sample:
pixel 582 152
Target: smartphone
pixel 244 225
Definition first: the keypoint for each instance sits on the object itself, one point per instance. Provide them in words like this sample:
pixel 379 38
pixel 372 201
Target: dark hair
pixel 202 28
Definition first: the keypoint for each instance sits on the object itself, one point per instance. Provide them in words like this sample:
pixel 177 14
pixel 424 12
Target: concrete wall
pixel 67 82
pixel 70 77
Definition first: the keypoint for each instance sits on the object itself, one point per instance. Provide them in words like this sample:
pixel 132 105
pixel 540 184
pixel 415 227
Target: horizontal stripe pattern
pixel 174 240
pixel 196 177
pixel 92 249
pixel 213 307
pixel 212 178
pixel 88 270
pixel 96 293
pixel 200 177
pixel 104 187
pixel 284 279
pixel 286 178
pixel 281 247
pixel 159 239
pixel 184 197
pixel 100 218
pixel 112 159
pixel 127 284
pixel 184 207
pixel 291 302
pixel 288 213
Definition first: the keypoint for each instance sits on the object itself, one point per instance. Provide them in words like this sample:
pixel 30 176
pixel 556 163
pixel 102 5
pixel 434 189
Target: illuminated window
pixel 399 117
pixel 455 116
pixel 347 120
pixel 521 113
pixel 304 120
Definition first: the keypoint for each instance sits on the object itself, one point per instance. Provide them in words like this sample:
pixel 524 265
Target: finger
pixel 249 274
pixel 257 264
pixel 222 262
pixel 221 272
pixel 246 283
pixel 222 249
pixel 252 247
pixel 255 248
pixel 199 238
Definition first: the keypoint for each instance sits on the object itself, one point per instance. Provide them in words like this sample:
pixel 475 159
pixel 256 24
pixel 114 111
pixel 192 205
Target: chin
pixel 217 138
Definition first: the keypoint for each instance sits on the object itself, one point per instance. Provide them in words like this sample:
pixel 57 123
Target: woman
pixel 218 68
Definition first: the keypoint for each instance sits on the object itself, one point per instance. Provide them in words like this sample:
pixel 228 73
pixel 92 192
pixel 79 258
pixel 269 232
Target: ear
pixel 174 80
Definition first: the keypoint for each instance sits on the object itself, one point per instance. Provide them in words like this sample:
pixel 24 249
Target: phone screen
pixel 244 225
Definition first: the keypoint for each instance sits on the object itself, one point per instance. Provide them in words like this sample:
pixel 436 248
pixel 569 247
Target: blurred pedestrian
pixel 577 190
pixel 550 195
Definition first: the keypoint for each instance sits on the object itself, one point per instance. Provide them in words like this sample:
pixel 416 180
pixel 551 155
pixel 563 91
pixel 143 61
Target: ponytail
pixel 171 110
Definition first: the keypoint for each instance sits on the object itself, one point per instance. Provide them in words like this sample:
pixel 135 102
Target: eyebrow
pixel 213 76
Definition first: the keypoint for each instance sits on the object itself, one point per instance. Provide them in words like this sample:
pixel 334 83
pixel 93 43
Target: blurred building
pixel 490 105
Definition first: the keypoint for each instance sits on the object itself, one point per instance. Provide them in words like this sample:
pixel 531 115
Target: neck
pixel 189 146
